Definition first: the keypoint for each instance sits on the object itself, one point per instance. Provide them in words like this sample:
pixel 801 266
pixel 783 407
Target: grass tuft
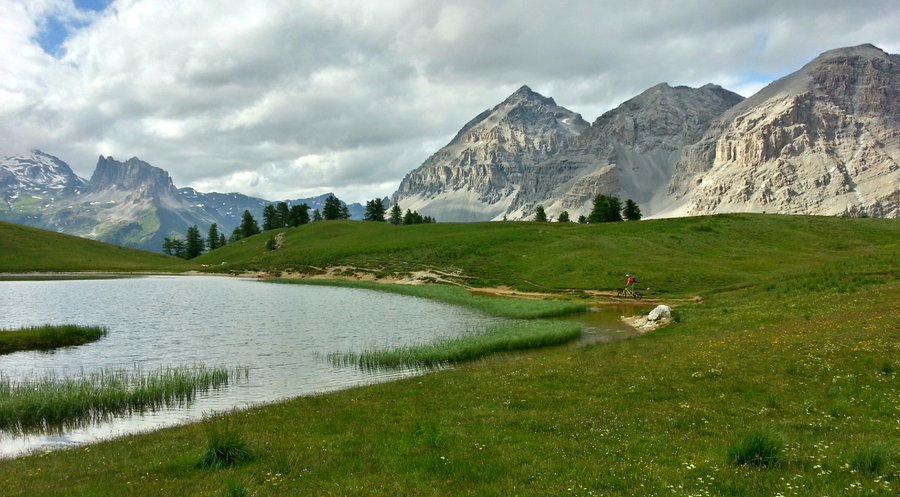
pixel 871 460
pixel 225 448
pixel 762 449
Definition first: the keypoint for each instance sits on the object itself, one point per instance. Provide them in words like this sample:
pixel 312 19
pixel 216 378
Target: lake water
pixel 282 333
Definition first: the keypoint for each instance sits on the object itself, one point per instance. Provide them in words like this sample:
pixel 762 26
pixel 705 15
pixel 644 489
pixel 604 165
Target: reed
pixel 507 337
pixel 47 337
pixel 56 404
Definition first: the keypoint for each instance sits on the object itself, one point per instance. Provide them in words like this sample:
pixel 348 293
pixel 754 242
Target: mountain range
pixel 129 203
pixel 824 140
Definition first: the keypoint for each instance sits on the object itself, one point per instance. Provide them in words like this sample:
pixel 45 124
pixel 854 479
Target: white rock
pixel 660 312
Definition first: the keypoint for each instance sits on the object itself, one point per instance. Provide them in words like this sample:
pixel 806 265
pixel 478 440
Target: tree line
pixel 606 209
pixel 283 215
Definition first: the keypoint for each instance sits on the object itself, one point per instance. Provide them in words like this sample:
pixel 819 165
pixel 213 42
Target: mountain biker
pixel 629 284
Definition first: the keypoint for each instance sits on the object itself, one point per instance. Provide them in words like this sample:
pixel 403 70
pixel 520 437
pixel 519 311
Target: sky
pixel 284 99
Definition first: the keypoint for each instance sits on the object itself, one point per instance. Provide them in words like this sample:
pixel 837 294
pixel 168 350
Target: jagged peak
pixel 525 93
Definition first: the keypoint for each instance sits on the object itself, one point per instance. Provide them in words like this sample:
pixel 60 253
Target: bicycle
pixel 629 293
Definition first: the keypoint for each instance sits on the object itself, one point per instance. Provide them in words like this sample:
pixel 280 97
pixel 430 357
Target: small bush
pixel 225 448
pixel 887 368
pixel 761 448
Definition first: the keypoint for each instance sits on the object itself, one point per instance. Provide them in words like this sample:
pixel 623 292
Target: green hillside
pixel 27 249
pixel 672 256
pixel 783 380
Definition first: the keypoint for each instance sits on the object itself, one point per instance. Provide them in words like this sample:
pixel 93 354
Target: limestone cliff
pixel 823 140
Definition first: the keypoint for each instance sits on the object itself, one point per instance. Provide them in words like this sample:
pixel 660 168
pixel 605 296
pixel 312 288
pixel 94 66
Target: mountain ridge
pixel 130 203
pixel 821 140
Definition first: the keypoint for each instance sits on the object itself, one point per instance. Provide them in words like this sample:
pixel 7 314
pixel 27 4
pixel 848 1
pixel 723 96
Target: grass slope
pixel 27 249
pixel 672 256
pixel 796 345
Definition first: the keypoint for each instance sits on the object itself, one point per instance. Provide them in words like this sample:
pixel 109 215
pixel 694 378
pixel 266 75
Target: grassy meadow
pixel 782 380
pixel 25 249
pixel 673 257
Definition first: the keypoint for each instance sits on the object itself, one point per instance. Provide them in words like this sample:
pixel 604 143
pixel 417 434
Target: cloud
pixel 284 99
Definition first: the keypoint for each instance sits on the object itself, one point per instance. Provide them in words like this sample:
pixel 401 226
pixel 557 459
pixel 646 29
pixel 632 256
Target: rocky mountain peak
pixel 821 140
pixel 472 171
pixel 133 175
pixel 38 171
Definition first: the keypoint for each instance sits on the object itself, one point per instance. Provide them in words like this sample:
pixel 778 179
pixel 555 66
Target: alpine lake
pixel 280 336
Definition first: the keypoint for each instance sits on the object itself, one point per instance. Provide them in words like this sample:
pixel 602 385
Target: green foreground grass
pixel 26 249
pixel 792 358
pixel 48 337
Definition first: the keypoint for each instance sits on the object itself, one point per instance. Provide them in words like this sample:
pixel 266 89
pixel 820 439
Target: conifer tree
pixel 563 217
pixel 539 215
pixel 269 218
pixel 212 237
pixel 335 209
pixel 194 243
pixel 298 215
pixel 396 215
pixel 375 210
pixel 249 227
pixel 631 211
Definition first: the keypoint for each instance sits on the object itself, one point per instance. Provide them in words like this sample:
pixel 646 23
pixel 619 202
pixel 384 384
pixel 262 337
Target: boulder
pixel 660 312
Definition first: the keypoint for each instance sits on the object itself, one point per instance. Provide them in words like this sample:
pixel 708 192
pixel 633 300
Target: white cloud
pixel 285 99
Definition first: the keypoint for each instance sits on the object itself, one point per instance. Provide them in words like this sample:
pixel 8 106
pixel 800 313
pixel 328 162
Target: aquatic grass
pixel 55 404
pixel 512 308
pixel 48 337
pixel 518 335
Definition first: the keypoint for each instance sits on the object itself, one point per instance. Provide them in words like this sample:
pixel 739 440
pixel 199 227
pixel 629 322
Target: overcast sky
pixel 292 98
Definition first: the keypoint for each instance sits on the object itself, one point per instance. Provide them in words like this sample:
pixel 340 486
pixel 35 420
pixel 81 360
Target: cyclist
pixel 629 284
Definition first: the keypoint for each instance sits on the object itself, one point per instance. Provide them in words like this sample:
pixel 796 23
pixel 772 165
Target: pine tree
pixel 194 243
pixel 298 215
pixel 563 217
pixel 222 241
pixel 335 209
pixel 317 216
pixel 539 215
pixel 212 237
pixel 177 246
pixel 396 215
pixel 168 245
pixel 606 210
pixel 631 211
pixel 248 225
pixel 282 213
pixel 269 218
pixel 374 210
